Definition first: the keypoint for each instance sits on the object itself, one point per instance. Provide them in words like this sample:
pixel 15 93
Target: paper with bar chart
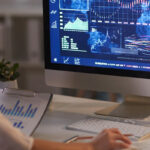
pixel 24 112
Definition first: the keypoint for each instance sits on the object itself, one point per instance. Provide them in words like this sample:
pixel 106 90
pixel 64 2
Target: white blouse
pixel 12 138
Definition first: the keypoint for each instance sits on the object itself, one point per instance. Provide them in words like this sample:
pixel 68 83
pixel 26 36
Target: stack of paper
pixel 25 112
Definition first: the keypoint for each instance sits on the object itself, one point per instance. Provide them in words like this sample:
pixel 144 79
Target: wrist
pixel 91 146
pixel 30 143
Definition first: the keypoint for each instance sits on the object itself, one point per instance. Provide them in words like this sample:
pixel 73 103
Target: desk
pixel 63 111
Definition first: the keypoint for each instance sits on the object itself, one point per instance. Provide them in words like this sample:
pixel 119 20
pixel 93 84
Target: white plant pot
pixel 9 84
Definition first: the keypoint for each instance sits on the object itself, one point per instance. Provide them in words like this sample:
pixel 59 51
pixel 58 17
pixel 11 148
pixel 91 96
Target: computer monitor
pixel 101 45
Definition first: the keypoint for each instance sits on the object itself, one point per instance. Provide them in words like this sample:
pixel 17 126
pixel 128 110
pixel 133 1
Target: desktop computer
pixel 101 45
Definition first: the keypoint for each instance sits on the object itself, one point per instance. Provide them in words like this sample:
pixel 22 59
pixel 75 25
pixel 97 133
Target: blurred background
pixel 21 41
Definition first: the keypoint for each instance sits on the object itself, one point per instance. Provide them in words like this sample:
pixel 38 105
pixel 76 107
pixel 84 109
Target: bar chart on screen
pixel 24 112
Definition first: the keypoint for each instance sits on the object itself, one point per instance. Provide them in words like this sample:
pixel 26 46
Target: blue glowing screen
pixel 101 33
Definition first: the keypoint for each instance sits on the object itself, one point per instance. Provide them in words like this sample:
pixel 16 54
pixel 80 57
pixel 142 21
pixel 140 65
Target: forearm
pixel 47 145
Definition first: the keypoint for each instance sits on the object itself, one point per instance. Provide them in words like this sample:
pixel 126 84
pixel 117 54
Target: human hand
pixel 110 139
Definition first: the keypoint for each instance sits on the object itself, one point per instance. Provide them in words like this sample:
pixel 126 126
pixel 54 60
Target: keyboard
pixel 96 125
pixel 141 145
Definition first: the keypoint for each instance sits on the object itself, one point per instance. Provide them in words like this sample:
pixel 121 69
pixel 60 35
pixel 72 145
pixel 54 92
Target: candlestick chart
pixel 118 10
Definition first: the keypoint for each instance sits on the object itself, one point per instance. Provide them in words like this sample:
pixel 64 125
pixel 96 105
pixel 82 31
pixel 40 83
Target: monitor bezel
pixel 82 69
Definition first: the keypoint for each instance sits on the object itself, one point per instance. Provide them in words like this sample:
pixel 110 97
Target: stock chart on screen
pixel 101 33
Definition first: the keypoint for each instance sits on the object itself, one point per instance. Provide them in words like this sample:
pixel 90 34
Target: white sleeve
pixel 12 138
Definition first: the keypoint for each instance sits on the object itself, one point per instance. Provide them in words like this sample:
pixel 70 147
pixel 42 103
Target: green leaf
pixel 8 71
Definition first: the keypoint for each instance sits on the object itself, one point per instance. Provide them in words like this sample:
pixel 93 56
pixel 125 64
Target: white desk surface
pixel 63 111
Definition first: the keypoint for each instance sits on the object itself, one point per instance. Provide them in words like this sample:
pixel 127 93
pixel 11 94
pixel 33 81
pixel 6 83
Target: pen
pixel 147 136
pixel 128 134
pixel 72 139
pixel 85 137
pixel 91 137
pixel 75 138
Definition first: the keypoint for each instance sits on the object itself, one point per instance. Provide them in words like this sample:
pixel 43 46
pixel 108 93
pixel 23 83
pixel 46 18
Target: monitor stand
pixel 134 107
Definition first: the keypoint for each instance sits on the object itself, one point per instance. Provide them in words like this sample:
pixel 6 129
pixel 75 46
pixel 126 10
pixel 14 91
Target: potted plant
pixel 8 74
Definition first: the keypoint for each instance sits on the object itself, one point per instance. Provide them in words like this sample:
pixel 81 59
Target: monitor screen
pixel 101 45
pixel 108 36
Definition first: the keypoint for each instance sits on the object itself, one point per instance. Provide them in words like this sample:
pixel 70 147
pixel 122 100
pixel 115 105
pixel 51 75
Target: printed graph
pixel 18 124
pixel 18 110
pixel 23 112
